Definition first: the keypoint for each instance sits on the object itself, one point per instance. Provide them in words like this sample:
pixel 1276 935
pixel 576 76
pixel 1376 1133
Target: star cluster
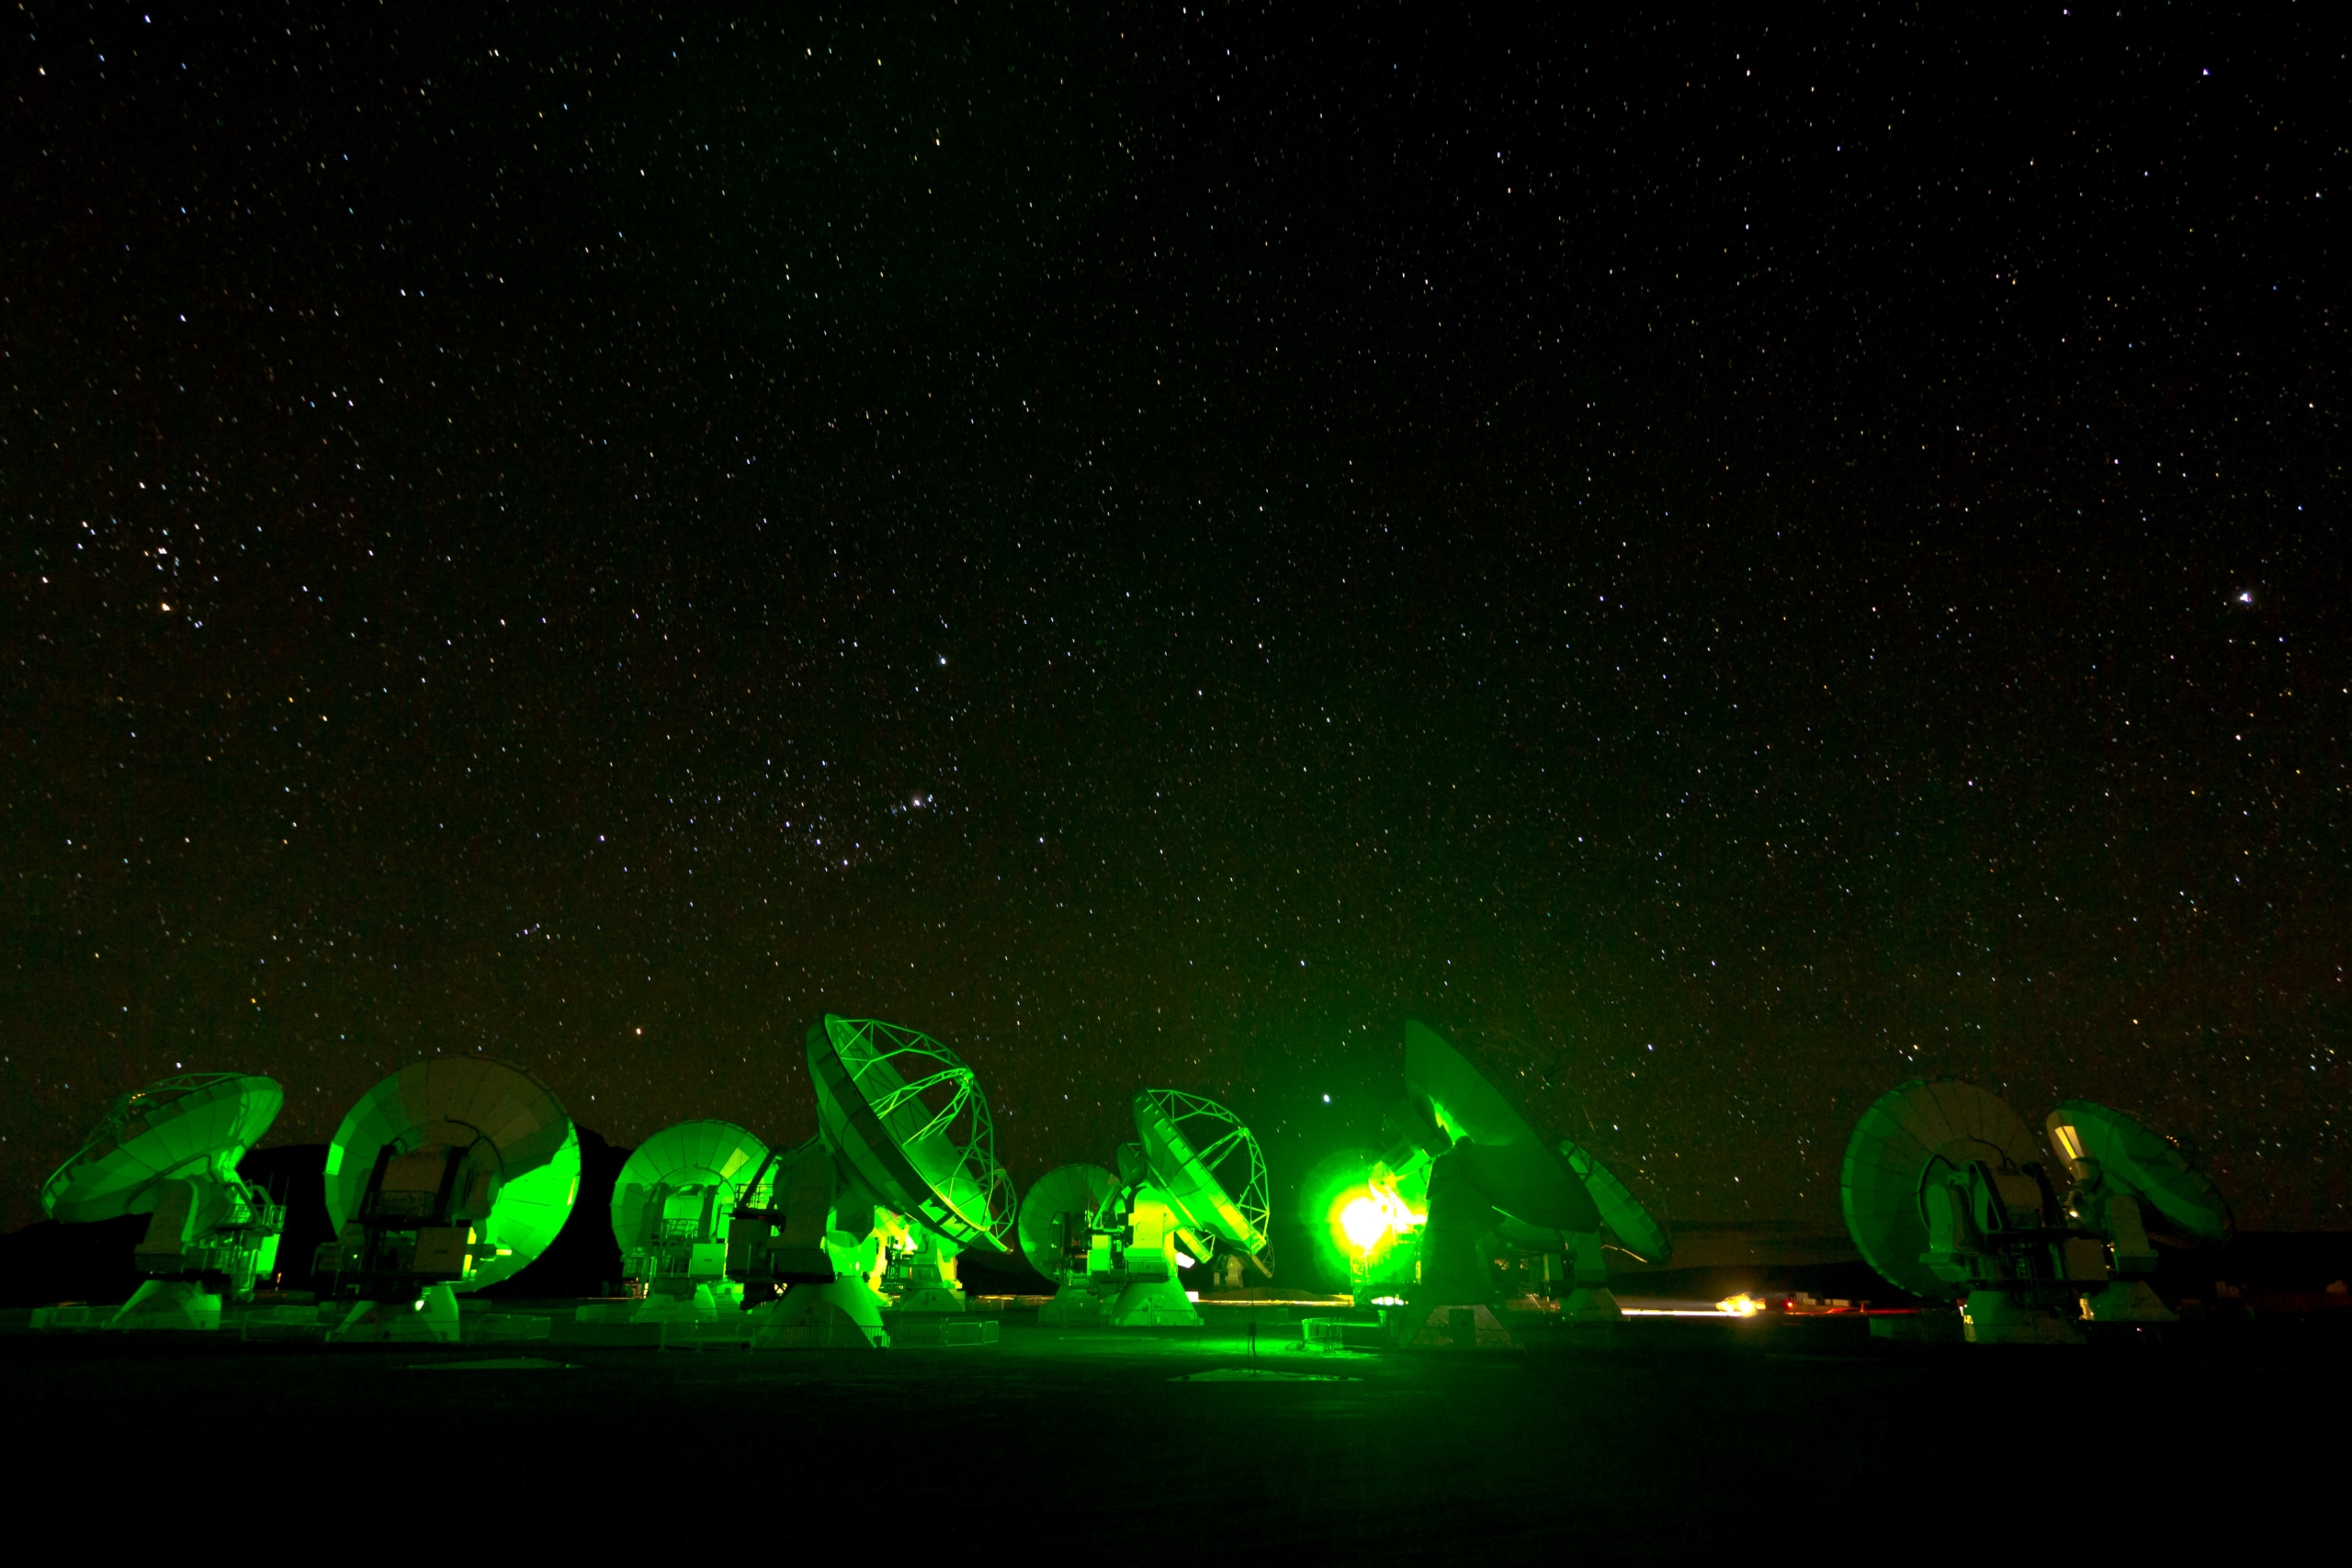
pixel 1724 568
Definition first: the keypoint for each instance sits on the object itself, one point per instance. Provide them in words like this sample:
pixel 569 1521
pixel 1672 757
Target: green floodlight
pixel 1371 1214
pixel 2121 1169
pixel 670 1206
pixel 1194 1185
pixel 901 1177
pixel 171 1151
pixel 451 1175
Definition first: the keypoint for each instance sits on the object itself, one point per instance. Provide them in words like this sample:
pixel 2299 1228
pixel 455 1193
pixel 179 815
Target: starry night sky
pixel 1722 568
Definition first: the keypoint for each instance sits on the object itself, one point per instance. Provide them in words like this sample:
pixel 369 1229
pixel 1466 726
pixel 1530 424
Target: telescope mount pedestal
pixel 841 1315
pixel 169 1304
pixel 430 1318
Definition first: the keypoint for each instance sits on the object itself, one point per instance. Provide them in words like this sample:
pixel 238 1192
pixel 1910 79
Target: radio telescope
pixel 2128 1179
pixel 170 1150
pixel 901 1179
pixel 670 1206
pixel 1194 1180
pixel 1468 1178
pixel 1491 1176
pixel 1626 1225
pixel 1945 1195
pixel 450 1175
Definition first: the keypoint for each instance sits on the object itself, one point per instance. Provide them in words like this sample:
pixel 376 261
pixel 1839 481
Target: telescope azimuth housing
pixel 194 1126
pixel 1206 1166
pixel 909 1118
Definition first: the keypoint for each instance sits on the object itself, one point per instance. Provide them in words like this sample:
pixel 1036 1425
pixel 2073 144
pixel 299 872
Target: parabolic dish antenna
pixel 908 1117
pixel 198 1124
pixel 1206 1166
pixel 1057 1214
pixel 1514 1168
pixel 900 1177
pixel 1907 1130
pixel 1635 1228
pixel 171 1150
pixel 670 1206
pixel 1493 1180
pixel 451 1175
pixel 1193 1184
pixel 2138 1160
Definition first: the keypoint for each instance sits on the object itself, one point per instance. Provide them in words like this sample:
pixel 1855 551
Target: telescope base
pixel 1996 1317
pixel 2126 1300
pixel 430 1319
pixel 843 1316
pixel 169 1304
pixel 1453 1325
pixel 1590 1303
pixel 1152 1303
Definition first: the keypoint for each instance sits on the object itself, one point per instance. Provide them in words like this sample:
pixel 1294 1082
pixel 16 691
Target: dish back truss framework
pixel 171 1151
pixel 869 1216
pixel 1191 1187
pixel 449 1176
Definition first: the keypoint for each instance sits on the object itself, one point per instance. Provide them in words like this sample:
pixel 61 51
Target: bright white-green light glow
pixel 1369 1217
pixel 1362 1222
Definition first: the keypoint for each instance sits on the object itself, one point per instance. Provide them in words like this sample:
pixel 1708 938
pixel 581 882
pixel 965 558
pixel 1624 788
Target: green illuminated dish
pixel 1046 1209
pixel 908 1117
pixel 507 1125
pixel 194 1127
pixel 1515 1169
pixel 710 1161
pixel 1206 1165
